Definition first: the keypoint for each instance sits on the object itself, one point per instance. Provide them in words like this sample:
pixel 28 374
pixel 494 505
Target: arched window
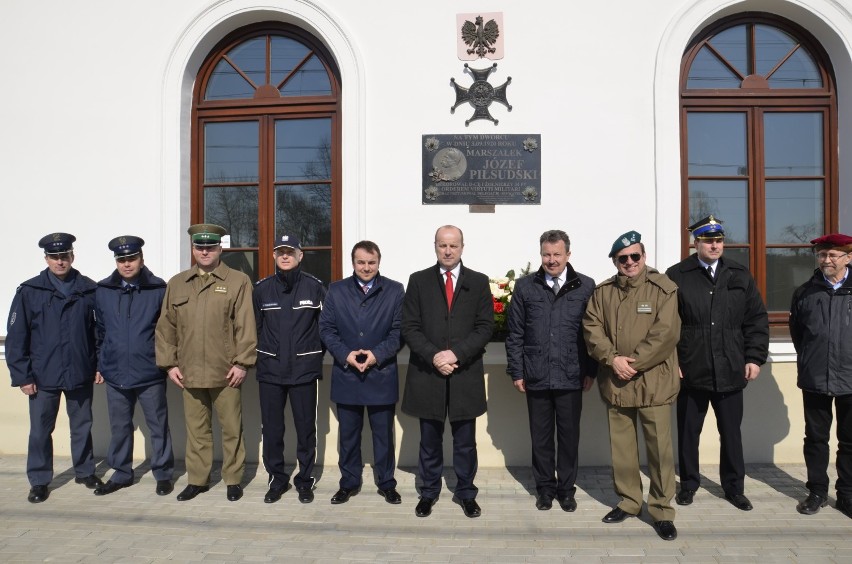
pixel 759 146
pixel 266 147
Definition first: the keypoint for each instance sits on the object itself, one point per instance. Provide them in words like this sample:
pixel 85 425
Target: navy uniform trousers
pixel 303 403
pixel 121 404
pixel 351 422
pixel 44 407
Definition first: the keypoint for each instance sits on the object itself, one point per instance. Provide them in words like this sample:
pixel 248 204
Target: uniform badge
pixel 644 307
pixel 221 289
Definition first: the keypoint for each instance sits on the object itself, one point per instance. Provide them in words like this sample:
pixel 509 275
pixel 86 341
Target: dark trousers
pixel 303 403
pixel 350 424
pixel 555 463
pixel 691 411
pixel 121 404
pixel 44 407
pixel 818 418
pixel 431 464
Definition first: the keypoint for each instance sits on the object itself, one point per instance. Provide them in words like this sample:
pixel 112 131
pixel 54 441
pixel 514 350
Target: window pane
pixel 226 83
pixel 732 44
pixel 244 261
pixel 727 200
pixel 799 71
pixel 310 80
pixel 318 263
pixel 771 45
pixel 303 149
pixel 286 54
pixel 250 57
pixel 306 211
pixel 231 152
pixel 786 269
pixel 794 211
pixel 235 209
pixel 738 254
pixel 707 71
pixel 793 144
pixel 717 144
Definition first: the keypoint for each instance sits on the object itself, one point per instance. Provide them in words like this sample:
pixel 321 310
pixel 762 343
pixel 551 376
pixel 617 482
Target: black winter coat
pixel 545 345
pixel 821 328
pixel 723 325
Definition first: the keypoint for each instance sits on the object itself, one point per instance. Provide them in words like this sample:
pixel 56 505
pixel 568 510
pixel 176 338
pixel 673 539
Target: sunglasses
pixel 622 259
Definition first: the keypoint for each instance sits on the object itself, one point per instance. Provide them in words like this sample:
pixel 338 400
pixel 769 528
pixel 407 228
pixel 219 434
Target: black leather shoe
pixel 543 502
pixel 844 505
pixel 190 491
pixel 424 506
pixel 666 530
pixel 91 481
pixel 812 504
pixel 306 495
pixel 739 501
pixel 684 497
pixel 164 487
pixel 617 515
pixel 275 493
pixel 38 494
pixel 343 495
pixel 469 506
pixel 567 503
pixel 235 492
pixel 391 496
pixel 110 487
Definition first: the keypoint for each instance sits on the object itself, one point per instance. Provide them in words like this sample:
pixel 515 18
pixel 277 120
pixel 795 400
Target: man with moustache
pixel 127 307
pixel 360 327
pixel 206 341
pixel 447 319
pixel 631 328
pixel 548 362
pixel 287 307
pixel 50 352
pixel 821 332
pixel 724 340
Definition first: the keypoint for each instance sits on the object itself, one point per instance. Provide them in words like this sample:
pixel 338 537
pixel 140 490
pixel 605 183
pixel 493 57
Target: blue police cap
pixel 126 246
pixel 57 243
pixel 707 228
pixel 287 240
pixel 624 241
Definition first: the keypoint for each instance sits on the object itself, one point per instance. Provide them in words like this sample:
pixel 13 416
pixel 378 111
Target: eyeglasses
pixel 622 259
pixel 821 256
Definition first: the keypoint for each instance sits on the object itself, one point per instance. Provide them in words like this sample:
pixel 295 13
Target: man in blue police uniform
pixel 724 339
pixel 127 306
pixel 50 351
pixel 821 333
pixel 287 307
pixel 360 326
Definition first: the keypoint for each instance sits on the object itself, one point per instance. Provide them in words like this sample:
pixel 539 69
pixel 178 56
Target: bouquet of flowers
pixel 501 295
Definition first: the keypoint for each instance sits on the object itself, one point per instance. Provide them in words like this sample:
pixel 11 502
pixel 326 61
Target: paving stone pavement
pixel 135 525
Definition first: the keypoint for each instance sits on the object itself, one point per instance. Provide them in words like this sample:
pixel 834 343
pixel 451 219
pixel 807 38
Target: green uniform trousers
pixel 623 438
pixel 198 404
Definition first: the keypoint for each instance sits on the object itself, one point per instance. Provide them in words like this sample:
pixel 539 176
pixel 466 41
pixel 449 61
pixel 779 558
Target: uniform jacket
pixel 635 317
pixel 723 326
pixel 429 328
pixel 287 307
pixel 821 328
pixel 206 328
pixel 352 320
pixel 126 321
pixel 50 339
pixel 545 345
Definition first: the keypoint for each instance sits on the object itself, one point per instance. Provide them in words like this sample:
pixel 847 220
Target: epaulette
pixel 262 279
pixel 309 275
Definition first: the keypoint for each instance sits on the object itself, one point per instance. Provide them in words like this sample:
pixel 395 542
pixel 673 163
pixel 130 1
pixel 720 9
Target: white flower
pixel 511 285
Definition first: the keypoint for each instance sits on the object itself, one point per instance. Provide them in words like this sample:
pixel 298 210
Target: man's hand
pixel 587 383
pixel 680 372
pixel 98 378
pixel 445 362
pixel 621 367
pixel 176 377
pixel 752 371
pixel 29 389
pixel 520 386
pixel 236 376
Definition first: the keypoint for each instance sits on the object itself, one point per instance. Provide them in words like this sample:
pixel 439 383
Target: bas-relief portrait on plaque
pixel 482 169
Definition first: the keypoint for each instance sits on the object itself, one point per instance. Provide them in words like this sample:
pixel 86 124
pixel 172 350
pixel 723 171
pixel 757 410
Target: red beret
pixel 833 240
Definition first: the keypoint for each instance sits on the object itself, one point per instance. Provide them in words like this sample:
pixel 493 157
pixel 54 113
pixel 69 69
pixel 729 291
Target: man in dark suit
pixel 360 327
pixel 447 318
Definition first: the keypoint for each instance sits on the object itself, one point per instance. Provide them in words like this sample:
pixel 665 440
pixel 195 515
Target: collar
pixel 839 282
pixel 456 271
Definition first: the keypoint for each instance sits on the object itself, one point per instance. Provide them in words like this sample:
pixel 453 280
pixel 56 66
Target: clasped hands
pixel 366 357
pixel 445 361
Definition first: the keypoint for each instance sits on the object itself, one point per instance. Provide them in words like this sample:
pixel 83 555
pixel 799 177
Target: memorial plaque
pixel 482 169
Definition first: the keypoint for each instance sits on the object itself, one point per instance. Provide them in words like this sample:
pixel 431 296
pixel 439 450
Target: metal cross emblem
pixel 480 94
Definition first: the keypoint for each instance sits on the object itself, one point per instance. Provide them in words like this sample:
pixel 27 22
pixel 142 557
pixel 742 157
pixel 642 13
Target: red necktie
pixel 449 289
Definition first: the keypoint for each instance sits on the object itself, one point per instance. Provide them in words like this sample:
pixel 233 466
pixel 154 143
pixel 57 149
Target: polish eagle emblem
pixel 480 37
